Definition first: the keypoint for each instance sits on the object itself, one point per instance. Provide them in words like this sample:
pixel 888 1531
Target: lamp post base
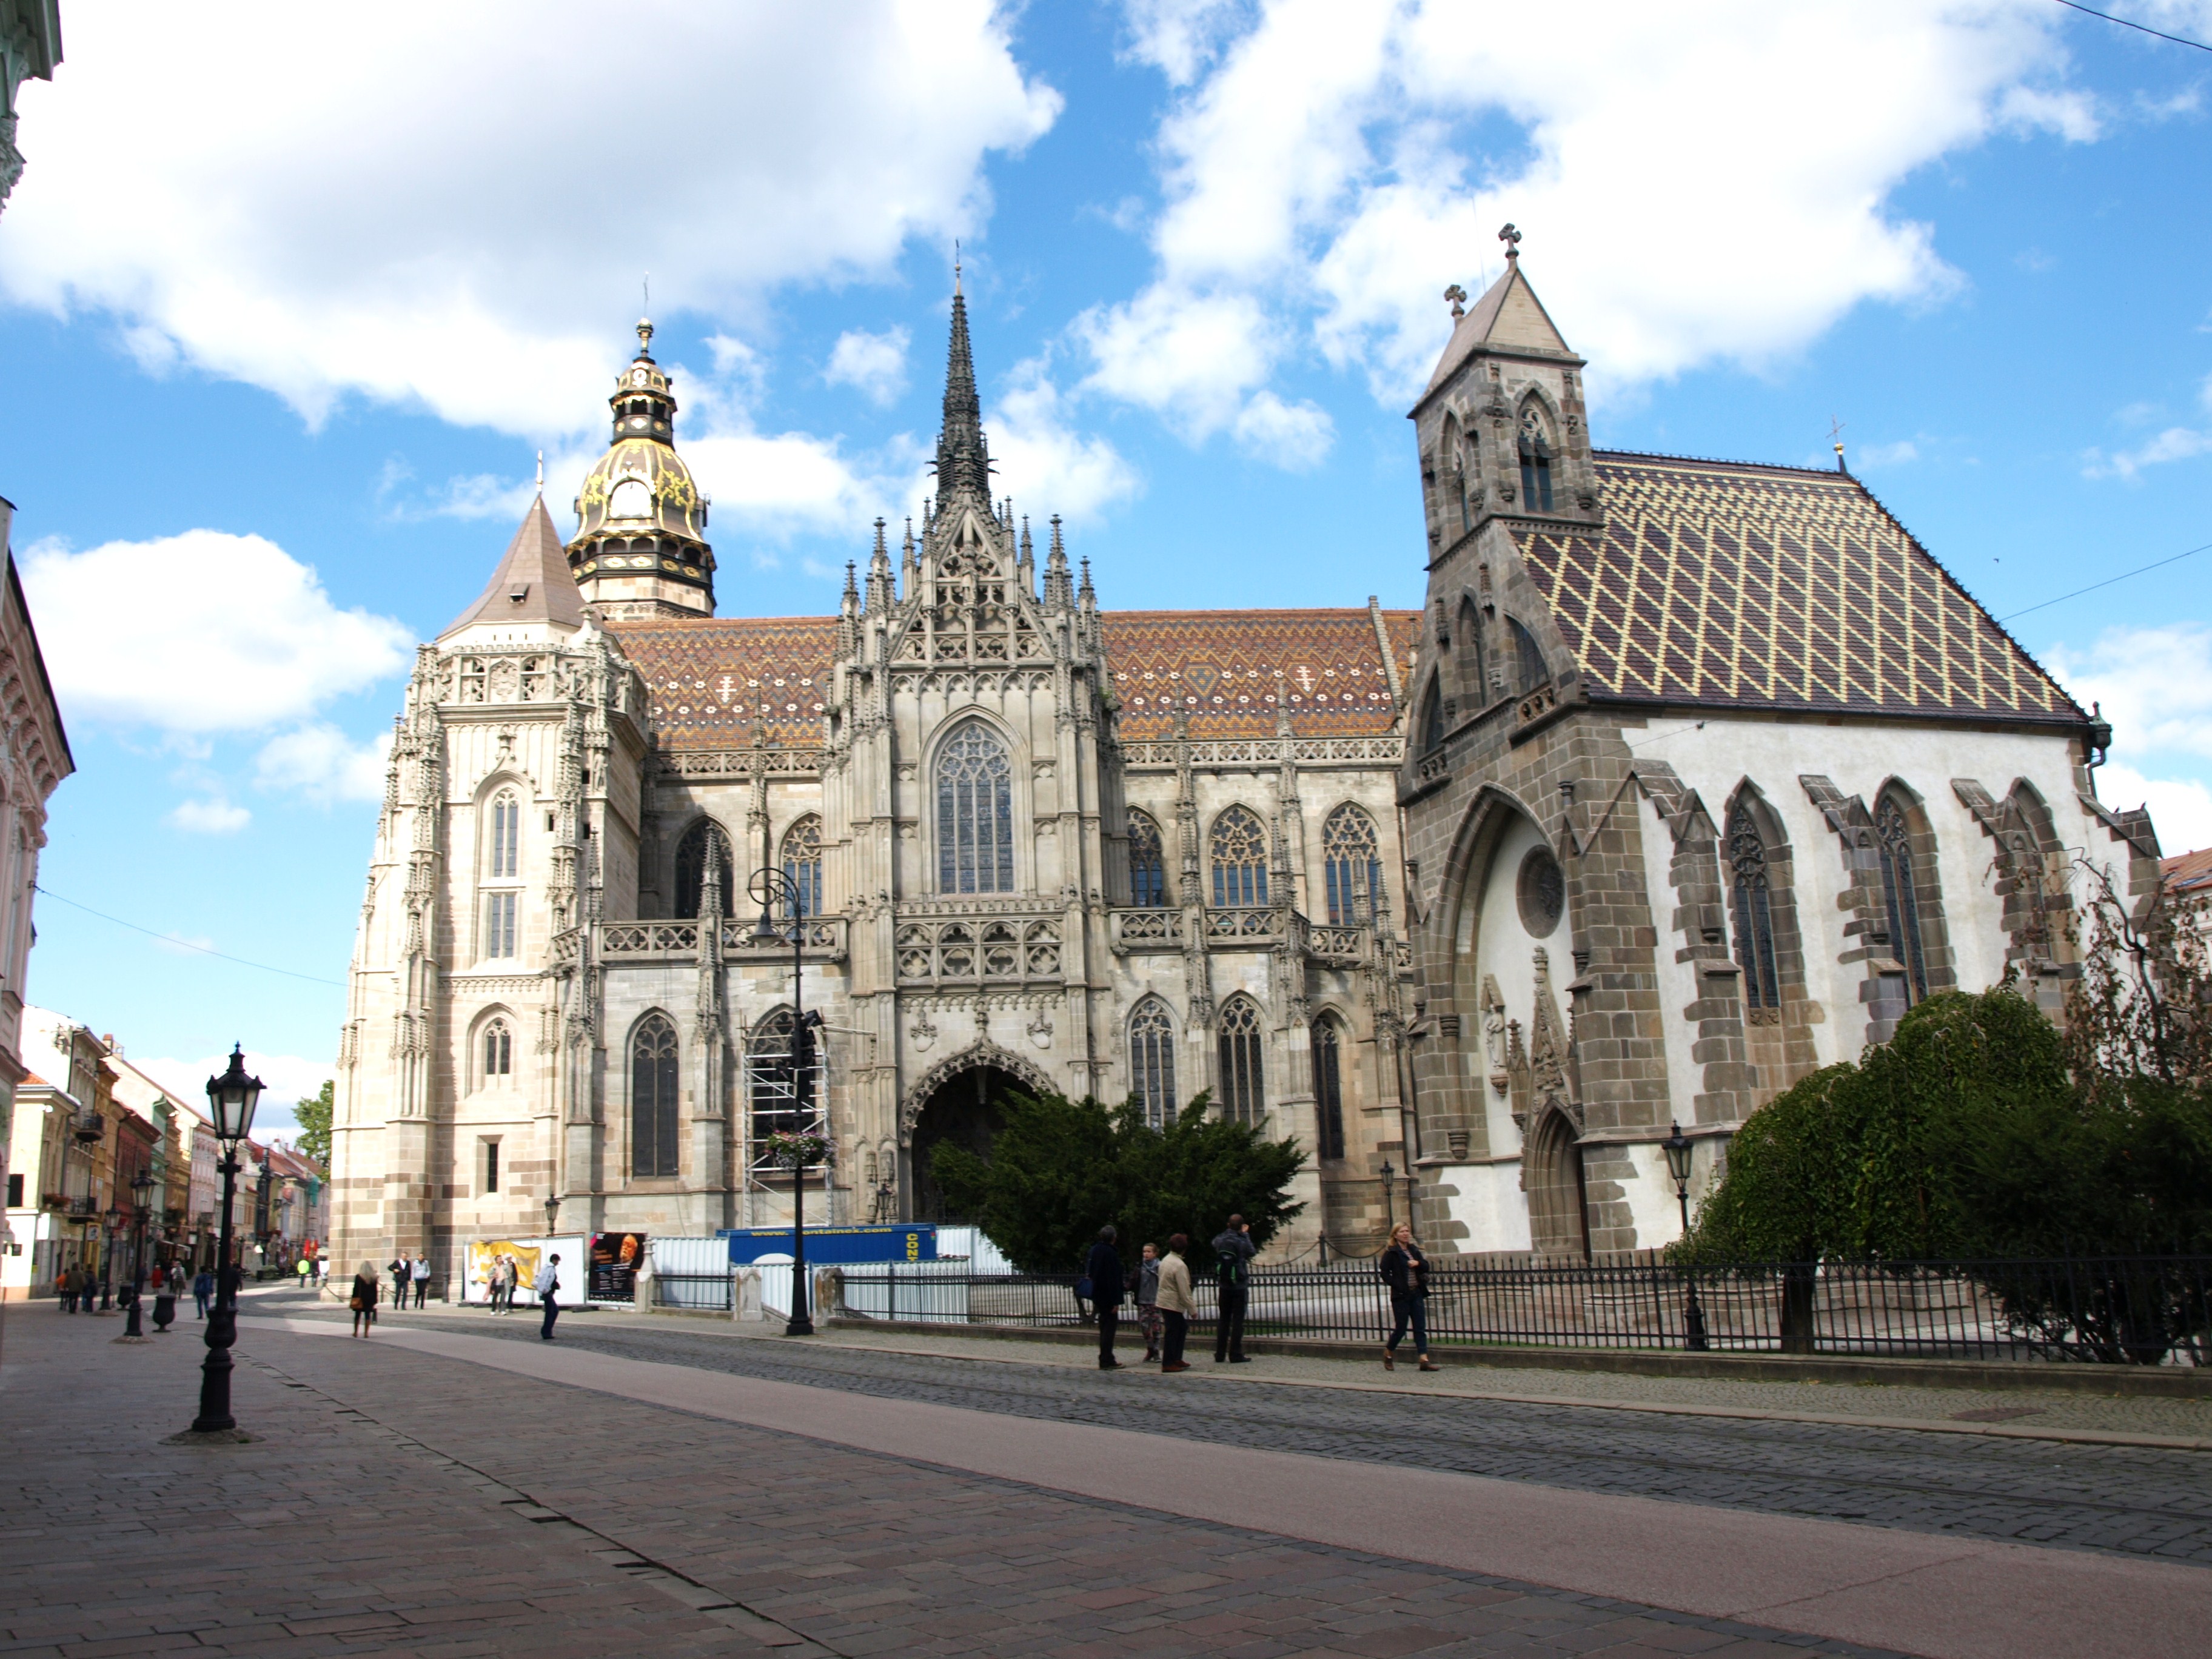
pixel 211 1438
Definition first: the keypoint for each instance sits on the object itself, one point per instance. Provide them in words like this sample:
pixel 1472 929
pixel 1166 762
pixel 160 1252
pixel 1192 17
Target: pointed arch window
pixel 498 1051
pixel 1892 834
pixel 1754 913
pixel 1528 669
pixel 502 864
pixel 692 854
pixel 1535 462
pixel 1243 1091
pixel 505 849
pixel 802 863
pixel 1432 716
pixel 781 1079
pixel 1352 867
pixel 1328 1086
pixel 1148 867
pixel 1473 681
pixel 653 1094
pixel 1238 852
pixel 1152 1060
pixel 975 814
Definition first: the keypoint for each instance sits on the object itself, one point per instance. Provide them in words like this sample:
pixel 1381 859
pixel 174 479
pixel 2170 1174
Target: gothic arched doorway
pixel 1551 1171
pixel 963 1110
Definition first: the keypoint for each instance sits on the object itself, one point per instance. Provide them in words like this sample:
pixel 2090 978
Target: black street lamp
pixel 233 1096
pixel 552 1211
pixel 142 1196
pixel 1389 1216
pixel 111 1230
pixel 1678 1149
pixel 775 889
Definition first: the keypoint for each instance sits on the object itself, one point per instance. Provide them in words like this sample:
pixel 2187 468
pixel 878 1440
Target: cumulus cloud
pixel 212 817
pixel 2176 443
pixel 1333 164
pixel 321 763
pixel 286 1080
pixel 1043 459
pixel 1874 457
pixel 243 219
pixel 874 365
pixel 2154 685
pixel 2180 808
pixel 199 633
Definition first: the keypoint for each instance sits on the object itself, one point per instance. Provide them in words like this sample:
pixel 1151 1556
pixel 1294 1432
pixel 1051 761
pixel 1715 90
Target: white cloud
pixel 1874 457
pixel 1336 164
pixel 212 817
pixel 874 365
pixel 2154 685
pixel 321 763
pixel 248 218
pixel 2180 808
pixel 2176 443
pixel 201 632
pixel 1041 458
pixel 286 1080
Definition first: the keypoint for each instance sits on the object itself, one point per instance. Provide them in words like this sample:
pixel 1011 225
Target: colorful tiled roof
pixel 2189 875
pixel 712 680
pixel 1719 582
pixel 1229 667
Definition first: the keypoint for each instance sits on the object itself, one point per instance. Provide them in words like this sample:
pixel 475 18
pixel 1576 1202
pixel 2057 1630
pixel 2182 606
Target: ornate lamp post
pixel 1677 1148
pixel 110 1220
pixel 774 888
pixel 233 1096
pixel 1389 1216
pixel 142 1196
pixel 552 1211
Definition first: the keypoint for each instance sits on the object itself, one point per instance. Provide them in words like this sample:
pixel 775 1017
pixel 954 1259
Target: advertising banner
pixel 484 1253
pixel 829 1247
pixel 614 1259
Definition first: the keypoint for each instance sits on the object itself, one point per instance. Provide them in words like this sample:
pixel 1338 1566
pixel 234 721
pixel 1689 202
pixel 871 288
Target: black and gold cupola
pixel 640 548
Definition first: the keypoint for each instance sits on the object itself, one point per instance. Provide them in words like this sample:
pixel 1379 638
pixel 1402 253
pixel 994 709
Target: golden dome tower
pixel 640 548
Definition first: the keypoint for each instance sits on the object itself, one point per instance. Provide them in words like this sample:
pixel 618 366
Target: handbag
pixel 1083 1288
pixel 356 1305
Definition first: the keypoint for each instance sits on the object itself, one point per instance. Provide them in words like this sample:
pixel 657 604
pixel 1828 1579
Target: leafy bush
pixel 1060 1170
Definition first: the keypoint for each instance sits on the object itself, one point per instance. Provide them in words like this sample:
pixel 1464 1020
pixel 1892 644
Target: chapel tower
pixel 640 551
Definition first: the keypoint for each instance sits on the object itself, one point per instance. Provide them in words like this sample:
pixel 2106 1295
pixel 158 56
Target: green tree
pixel 1060 1169
pixel 314 1119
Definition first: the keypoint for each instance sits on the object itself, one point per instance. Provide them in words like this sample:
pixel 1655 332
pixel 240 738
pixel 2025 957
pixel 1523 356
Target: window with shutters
pixel 1238 851
pixel 1242 1092
pixel 1152 1060
pixel 1352 867
pixel 975 814
pixel 1148 868
pixel 653 1097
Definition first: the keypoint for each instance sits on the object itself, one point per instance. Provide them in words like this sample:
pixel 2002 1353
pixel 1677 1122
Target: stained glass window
pixel 802 863
pixel 1754 918
pixel 1352 867
pixel 653 1074
pixel 1239 852
pixel 1148 870
pixel 975 814
pixel 1152 1060
pixel 1242 1093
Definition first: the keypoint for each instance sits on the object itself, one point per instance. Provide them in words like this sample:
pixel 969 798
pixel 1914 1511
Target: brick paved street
pixel 2138 1500
pixel 398 1505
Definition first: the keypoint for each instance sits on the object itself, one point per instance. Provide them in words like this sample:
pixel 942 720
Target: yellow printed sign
pixel 484 1253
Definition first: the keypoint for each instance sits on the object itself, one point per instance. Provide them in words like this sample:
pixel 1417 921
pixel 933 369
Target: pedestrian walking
pixel 401 1270
pixel 421 1272
pixel 495 1284
pixel 366 1284
pixel 203 1291
pixel 1103 1268
pixel 1174 1303
pixel 1233 1250
pixel 1406 1271
pixel 548 1286
pixel 1148 1300
pixel 66 1286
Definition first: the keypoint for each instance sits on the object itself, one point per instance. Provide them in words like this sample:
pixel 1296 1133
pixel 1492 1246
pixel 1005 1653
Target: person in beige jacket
pixel 1176 1304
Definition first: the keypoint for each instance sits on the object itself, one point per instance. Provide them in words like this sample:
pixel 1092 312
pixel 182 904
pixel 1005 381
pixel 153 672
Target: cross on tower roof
pixel 1512 238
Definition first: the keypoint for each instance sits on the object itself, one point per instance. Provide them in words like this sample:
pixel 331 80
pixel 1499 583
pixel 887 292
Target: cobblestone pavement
pixel 2133 1500
pixel 396 1504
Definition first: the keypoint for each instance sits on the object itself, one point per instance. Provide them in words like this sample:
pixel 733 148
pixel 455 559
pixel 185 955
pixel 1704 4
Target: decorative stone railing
pixel 1005 949
pixel 1227 930
pixel 1346 946
pixel 1154 755
pixel 1137 932
pixel 660 941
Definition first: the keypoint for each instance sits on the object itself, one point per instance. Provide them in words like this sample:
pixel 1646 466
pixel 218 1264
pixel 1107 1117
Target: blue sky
pixel 283 335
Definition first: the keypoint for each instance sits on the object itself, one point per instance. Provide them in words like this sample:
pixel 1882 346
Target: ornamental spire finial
pixel 1512 238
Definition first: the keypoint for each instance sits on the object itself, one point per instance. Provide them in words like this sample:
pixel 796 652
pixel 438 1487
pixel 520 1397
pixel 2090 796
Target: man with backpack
pixel 1233 1250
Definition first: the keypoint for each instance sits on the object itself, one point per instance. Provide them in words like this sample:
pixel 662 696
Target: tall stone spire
pixel 963 462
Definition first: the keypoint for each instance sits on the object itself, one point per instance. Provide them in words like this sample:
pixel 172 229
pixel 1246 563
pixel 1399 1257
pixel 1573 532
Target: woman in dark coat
pixel 366 1284
pixel 1406 1271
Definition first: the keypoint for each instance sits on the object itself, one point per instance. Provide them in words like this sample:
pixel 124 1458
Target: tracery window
pixel 1328 1086
pixel 502 862
pixel 692 854
pixel 802 863
pixel 1239 856
pixel 1892 834
pixel 506 847
pixel 1152 1060
pixel 1755 915
pixel 975 814
pixel 1148 868
pixel 653 1075
pixel 498 1051
pixel 1535 462
pixel 1352 867
pixel 1243 1093
pixel 500 930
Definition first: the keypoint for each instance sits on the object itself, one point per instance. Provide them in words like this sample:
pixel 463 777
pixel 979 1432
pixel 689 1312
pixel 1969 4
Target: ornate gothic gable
pixel 1725 583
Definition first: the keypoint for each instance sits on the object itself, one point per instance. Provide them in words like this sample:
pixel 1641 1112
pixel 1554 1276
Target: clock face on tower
pixel 630 499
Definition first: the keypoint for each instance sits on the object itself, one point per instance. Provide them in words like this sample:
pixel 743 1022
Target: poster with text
pixel 614 1259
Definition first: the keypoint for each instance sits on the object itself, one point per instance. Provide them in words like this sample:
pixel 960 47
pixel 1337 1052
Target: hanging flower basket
pixel 793 1151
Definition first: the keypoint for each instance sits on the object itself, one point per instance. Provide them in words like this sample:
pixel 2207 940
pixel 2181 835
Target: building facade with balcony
pixel 1038 845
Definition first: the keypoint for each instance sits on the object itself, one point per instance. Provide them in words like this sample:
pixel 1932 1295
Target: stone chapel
pixel 1689 777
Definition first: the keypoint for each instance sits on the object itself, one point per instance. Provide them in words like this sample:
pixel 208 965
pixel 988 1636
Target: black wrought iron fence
pixel 2136 1311
pixel 704 1292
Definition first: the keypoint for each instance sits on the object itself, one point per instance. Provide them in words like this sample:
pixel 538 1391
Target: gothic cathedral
pixel 1690 777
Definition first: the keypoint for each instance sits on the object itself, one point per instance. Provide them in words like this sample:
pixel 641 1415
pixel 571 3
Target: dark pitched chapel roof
pixel 1733 584
pixel 532 583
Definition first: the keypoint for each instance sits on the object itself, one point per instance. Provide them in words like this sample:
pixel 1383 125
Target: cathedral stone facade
pixel 1690 777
